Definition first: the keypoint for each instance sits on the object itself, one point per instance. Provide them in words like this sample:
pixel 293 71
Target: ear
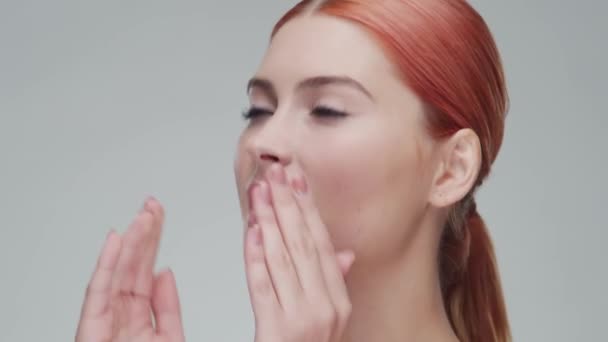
pixel 458 168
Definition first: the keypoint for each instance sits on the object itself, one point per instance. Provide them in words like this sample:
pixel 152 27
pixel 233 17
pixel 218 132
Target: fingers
pixel 295 240
pixel 124 275
pixel 145 271
pixel 166 307
pixel 99 289
pixel 261 291
pixel 131 255
pixel 278 260
pixel 296 235
pixel 333 265
pixel 319 232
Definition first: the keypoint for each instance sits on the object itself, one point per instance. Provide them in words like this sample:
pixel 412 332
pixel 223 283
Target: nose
pixel 271 143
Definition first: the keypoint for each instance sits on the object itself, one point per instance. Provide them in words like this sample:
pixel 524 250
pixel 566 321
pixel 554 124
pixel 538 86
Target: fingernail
pixel 277 174
pixel 251 220
pixel 299 185
pixel 251 193
pixel 349 256
pixel 147 203
pixel 345 260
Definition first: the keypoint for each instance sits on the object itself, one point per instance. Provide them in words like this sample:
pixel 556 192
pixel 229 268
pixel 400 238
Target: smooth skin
pixel 296 285
pixel 328 103
pixel 124 296
pixel 295 278
pixel 369 182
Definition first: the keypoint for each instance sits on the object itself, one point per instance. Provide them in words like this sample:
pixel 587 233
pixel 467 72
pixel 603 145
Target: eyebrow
pixel 313 82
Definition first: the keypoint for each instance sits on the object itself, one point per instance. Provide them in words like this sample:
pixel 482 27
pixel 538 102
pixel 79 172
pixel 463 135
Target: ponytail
pixel 470 281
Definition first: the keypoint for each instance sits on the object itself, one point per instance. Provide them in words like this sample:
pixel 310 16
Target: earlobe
pixel 460 160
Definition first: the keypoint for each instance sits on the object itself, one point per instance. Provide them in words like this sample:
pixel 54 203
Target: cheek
pixel 363 184
pixel 342 191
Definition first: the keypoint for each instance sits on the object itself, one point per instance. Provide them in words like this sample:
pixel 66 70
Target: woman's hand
pixel 125 301
pixel 295 278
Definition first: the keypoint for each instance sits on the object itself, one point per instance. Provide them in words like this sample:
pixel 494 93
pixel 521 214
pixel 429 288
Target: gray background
pixel 102 103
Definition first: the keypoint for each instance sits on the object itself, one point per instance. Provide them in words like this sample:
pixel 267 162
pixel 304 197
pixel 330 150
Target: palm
pixel 125 301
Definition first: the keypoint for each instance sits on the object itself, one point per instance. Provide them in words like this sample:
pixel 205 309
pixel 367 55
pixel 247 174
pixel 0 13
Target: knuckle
pixel 327 317
pixel 344 310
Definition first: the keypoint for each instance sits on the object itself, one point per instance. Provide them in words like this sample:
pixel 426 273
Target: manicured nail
pixel 299 185
pixel 345 261
pixel 251 220
pixel 277 174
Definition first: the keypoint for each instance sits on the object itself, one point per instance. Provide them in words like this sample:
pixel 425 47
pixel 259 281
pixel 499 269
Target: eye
pixel 327 112
pixel 255 112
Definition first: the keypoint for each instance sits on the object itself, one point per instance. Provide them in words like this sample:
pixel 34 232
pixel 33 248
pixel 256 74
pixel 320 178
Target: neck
pixel 400 300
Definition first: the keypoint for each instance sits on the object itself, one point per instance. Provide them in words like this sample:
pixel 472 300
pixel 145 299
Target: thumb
pixel 345 260
pixel 166 307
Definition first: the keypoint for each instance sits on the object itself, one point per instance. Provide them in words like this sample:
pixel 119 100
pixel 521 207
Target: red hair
pixel 447 56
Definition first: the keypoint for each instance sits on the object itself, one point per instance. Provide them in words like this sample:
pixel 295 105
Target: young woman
pixel 372 123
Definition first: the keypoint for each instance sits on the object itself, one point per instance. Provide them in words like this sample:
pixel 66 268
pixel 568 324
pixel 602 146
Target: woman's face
pixel 328 102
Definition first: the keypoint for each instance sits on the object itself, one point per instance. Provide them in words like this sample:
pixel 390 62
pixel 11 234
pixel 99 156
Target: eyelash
pixel 322 112
pixel 254 112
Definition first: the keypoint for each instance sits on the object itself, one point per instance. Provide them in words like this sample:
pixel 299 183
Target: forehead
pixel 315 45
